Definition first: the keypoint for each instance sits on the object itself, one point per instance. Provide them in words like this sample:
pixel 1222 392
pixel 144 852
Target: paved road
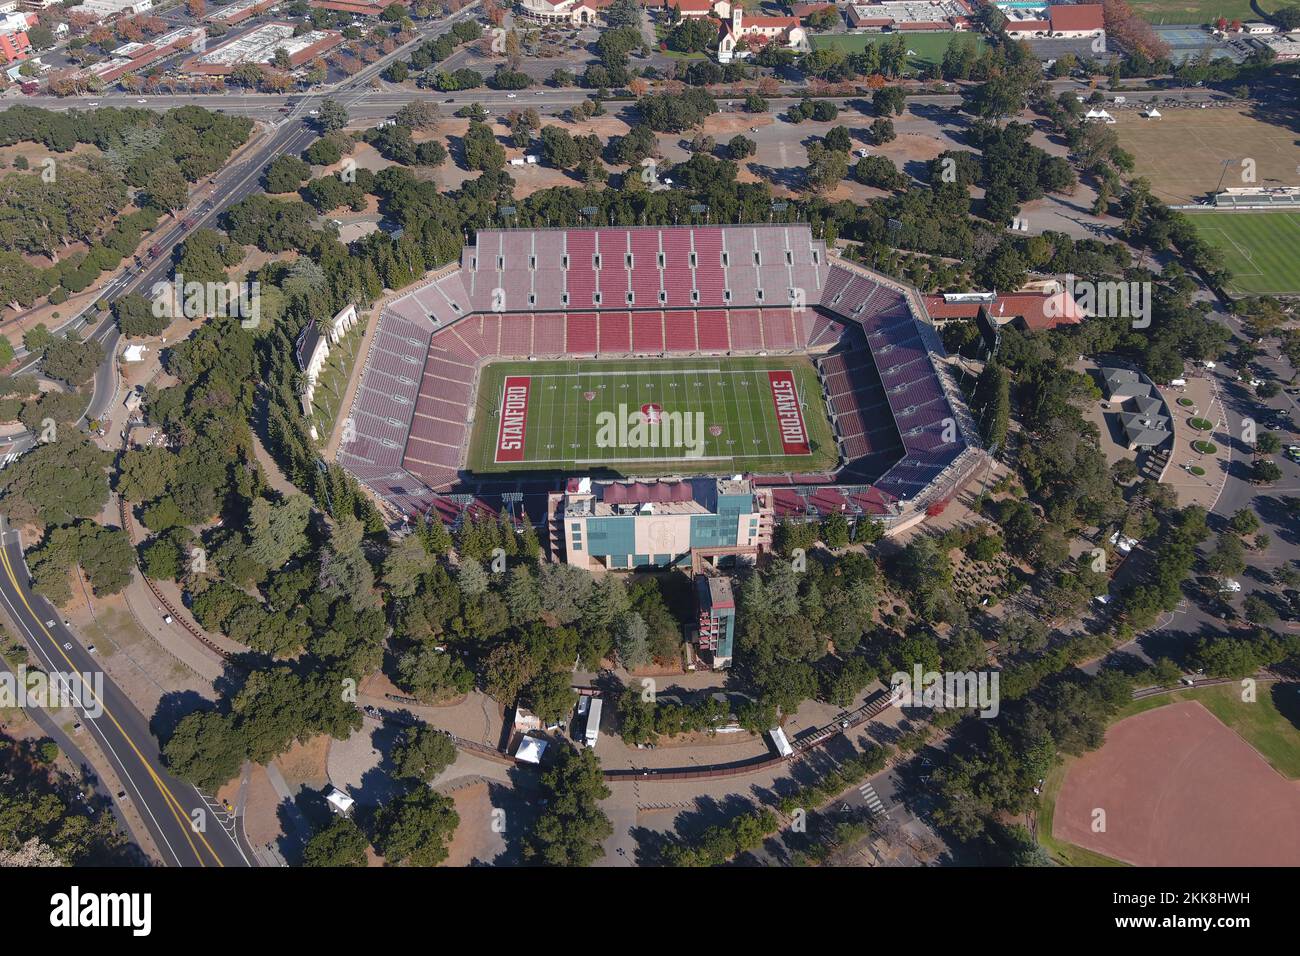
pixel 167 805
pixel 378 100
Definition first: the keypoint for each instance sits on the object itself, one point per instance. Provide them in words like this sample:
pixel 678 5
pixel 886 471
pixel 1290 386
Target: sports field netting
pixel 681 416
pixel 1261 250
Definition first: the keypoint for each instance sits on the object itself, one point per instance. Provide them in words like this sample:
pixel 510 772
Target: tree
pixel 277 532
pixel 72 361
pixel 1266 472
pixel 826 167
pixel 879 172
pixel 203 750
pixel 632 640
pixel 341 843
pixel 415 828
pixel 482 151
pixel 1244 522
pixel 882 131
pixel 57 482
pixel 741 147
pixel 418 114
pixel 135 316
pixel 286 173
pixel 572 827
pixel 552 695
pixel 889 99
pixel 422 753
pixel 406 564
pixel 623 13
pixel 332 116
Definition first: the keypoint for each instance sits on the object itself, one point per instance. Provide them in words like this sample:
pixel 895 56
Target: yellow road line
pixel 172 803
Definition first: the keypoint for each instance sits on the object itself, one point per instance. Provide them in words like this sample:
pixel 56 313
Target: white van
pixel 1229 586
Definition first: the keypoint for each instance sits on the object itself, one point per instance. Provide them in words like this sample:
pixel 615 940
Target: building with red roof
pixel 1061 21
pixel 741 35
pixel 15 46
pixel 1030 309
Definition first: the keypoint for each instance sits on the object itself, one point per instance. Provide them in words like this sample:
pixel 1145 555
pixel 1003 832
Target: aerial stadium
pixel 696 373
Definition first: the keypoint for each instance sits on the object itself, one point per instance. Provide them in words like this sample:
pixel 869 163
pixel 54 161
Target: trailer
pixel 591 730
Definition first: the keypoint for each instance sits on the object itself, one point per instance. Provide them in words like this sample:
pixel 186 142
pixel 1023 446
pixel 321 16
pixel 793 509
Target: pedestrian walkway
pixel 872 798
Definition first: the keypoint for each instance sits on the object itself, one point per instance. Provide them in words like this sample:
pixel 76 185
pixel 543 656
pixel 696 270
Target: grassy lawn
pixel 926 47
pixel 1198 11
pixel 724 408
pixel 1261 250
pixel 1066 854
pixel 1260 724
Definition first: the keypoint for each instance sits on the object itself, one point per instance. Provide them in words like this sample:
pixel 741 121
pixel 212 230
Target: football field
pixel 1261 250
pixel 655 416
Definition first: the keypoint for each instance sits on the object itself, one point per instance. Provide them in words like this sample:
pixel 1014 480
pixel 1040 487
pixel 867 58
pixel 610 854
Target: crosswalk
pixel 872 799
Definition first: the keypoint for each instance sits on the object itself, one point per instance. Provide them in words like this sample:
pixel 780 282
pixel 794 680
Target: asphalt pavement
pixel 187 827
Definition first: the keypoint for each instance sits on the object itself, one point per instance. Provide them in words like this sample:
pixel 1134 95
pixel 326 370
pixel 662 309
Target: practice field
pixel 680 416
pixel 1260 249
pixel 925 47
pixel 1177 787
pixel 1197 11
pixel 1183 153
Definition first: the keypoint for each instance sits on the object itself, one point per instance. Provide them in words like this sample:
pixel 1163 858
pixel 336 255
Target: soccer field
pixel 1261 250
pixel 658 416
pixel 925 47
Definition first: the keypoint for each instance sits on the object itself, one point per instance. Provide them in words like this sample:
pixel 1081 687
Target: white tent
pixel 339 801
pixel 779 740
pixel 1152 113
pixel 531 750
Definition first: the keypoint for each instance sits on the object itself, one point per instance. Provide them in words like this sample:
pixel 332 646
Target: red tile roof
pixel 1034 309
pixel 941 309
pixel 1082 16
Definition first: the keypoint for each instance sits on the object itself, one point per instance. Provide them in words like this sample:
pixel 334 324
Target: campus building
pixel 742 35
pixel 687 9
pixel 133 57
pixel 238 12
pixel 933 15
pixel 15 47
pixel 108 9
pixel 259 46
pixel 715 629
pixel 623 525
pixel 1061 21
pixel 574 13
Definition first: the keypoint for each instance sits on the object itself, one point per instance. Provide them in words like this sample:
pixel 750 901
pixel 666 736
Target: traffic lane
pixel 100 795
pixel 166 804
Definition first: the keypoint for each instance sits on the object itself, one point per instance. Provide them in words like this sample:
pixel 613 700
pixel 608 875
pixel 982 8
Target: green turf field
pixel 574 410
pixel 1199 11
pixel 926 47
pixel 1261 250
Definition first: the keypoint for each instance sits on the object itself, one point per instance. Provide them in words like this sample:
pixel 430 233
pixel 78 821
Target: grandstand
pixel 903 433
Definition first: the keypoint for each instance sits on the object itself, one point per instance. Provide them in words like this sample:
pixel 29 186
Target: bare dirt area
pixel 1184 151
pixel 304 764
pixel 261 815
pixel 475 842
pixel 1179 788
pixel 142 667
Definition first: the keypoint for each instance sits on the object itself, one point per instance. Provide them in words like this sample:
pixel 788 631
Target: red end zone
pixel 514 416
pixel 794 434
